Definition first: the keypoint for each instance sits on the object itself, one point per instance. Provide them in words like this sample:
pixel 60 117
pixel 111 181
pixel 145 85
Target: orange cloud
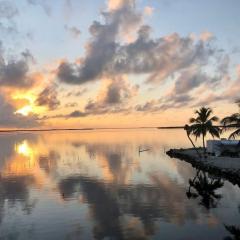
pixel 206 36
pixel 148 11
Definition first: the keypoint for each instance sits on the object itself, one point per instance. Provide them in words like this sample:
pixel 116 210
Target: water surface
pixel 96 185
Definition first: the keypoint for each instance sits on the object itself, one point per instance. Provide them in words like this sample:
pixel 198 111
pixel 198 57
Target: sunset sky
pixel 116 63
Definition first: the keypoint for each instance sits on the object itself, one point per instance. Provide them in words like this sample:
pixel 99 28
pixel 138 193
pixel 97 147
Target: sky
pixel 116 63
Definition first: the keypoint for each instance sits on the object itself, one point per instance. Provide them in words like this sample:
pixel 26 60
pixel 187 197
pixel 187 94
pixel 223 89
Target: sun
pixel 25 110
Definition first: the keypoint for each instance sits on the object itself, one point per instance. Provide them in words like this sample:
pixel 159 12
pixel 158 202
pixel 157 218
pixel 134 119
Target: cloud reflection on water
pixel 101 176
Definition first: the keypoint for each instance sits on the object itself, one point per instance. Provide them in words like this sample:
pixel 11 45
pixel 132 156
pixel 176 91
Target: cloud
pixel 27 55
pixel 148 11
pixel 77 93
pixel 162 104
pixel 14 73
pixel 73 114
pixel 70 105
pixel 190 79
pixel 118 91
pixel 114 5
pixel 210 98
pixel 162 57
pixel 7 10
pixel 74 31
pixel 76 114
pixel 195 86
pixel 9 117
pixel 113 99
pixel 67 8
pixel 149 106
pixel 206 36
pixel 107 55
pixel 8 26
pixel 182 92
pixel 48 97
pixel 43 4
pixel 102 47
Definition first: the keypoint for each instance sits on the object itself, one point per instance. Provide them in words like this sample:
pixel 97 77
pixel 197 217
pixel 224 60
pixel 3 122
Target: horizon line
pixel 89 129
pixel 80 129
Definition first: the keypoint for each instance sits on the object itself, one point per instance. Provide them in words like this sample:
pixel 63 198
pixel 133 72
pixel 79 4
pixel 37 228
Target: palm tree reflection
pixel 204 187
pixel 233 230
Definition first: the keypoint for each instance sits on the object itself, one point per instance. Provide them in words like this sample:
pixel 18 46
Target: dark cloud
pixel 161 57
pixel 74 31
pixel 27 55
pixel 118 91
pixel 114 99
pixel 188 80
pixel 76 114
pixel 101 50
pixel 49 98
pixel 15 72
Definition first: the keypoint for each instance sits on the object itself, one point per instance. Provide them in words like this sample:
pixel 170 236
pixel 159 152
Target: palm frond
pixel 234 134
pixel 192 120
pixel 214 119
pixel 203 123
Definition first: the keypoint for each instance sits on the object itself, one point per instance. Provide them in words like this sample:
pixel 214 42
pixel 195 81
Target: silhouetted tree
pixel 203 124
pixel 232 121
pixel 188 131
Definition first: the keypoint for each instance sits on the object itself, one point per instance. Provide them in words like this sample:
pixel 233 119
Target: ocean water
pixel 96 185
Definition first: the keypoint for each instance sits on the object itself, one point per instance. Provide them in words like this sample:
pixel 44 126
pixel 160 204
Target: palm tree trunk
pixel 194 146
pixel 204 148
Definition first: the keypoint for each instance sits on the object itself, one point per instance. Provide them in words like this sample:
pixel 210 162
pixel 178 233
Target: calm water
pixel 95 185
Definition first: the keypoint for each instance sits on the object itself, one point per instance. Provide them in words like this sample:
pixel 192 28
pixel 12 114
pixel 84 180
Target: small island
pixel 220 157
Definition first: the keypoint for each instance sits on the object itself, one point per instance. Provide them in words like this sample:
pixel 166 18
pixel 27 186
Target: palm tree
pixel 187 128
pixel 232 121
pixel 203 124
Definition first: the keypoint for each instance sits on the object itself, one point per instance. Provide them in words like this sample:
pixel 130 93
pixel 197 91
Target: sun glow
pixel 25 110
pixel 29 106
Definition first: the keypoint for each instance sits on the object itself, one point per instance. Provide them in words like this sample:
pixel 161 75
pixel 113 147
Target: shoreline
pixel 225 167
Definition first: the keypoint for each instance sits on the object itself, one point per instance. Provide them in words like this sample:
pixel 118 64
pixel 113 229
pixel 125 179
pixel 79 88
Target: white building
pixel 223 147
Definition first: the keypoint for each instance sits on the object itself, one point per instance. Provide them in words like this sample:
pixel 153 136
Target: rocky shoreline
pixel 224 167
